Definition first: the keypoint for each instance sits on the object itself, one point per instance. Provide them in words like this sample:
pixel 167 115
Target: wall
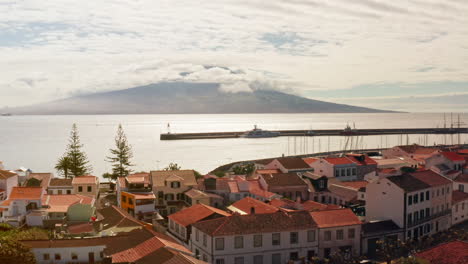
pixel 334 244
pixel 65 254
pixel 459 212
pixel 80 212
pixel 384 200
pixel 94 189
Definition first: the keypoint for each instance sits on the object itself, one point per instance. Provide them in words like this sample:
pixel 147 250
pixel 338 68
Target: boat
pixel 348 131
pixel 259 133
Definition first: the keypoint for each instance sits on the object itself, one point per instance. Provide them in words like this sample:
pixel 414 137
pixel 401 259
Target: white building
pixel 461 183
pixel 8 180
pixel 21 202
pixel 256 238
pixel 60 186
pixel 459 207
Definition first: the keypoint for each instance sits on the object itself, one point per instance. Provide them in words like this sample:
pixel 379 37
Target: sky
pixel 409 55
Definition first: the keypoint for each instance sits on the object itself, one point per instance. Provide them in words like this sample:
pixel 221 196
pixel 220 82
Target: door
pixel 91 257
pixel 372 247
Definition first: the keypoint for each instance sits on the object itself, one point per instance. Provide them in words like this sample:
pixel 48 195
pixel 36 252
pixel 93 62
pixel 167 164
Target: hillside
pixel 187 98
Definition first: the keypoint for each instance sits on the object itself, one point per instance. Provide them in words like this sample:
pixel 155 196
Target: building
pixel 251 206
pixel 455 252
pixel 415 152
pixel 419 203
pixel 375 231
pixel 341 168
pixel 169 188
pixel 38 179
pixel 459 207
pixel 60 186
pixel 195 196
pixel 309 205
pixel 461 182
pixel 238 239
pixel 289 185
pixel 63 209
pixel 449 164
pixel 339 231
pixel 139 205
pixel 21 202
pixel 8 180
pixel 180 223
pixel 289 164
pixel 86 185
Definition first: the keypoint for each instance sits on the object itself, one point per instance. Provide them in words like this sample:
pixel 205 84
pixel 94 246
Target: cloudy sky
pixel 407 55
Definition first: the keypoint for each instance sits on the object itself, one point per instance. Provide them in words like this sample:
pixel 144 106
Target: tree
pixel 172 167
pixel 77 162
pixel 121 156
pixel 63 166
pixel 390 249
pixel 12 250
pixel 244 169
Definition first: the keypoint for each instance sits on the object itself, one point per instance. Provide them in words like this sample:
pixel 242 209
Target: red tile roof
pixel 458 196
pixel 335 218
pixel 310 160
pixel 355 184
pixel 26 193
pixel 257 223
pixel 463 151
pixel 453 156
pixel 315 206
pixel 417 149
pixel 61 202
pixel 293 163
pixel 4 174
pixel 462 178
pixel 361 159
pixel 246 204
pixel 88 179
pixel 195 213
pixel 339 161
pixel 455 252
pixel 283 179
pixel 431 178
pixel 256 189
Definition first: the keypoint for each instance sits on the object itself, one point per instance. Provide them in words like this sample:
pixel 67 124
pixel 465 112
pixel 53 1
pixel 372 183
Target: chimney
pixel 252 210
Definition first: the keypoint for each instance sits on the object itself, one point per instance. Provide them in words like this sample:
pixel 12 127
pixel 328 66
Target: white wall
pixel 11 182
pixel 459 212
pixel 334 244
pixel 384 201
pixel 65 254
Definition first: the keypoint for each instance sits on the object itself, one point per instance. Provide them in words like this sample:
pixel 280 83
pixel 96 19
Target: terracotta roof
pixel 44 178
pixel 417 149
pixel 195 214
pixel 455 252
pixel 26 193
pixel 113 216
pixel 256 188
pixel 453 156
pixel 142 196
pixel 81 228
pixel 194 193
pixel 246 204
pixel 339 161
pixel 347 193
pixel 88 179
pixel 256 223
pixel 310 160
pixel 61 202
pixel 283 179
pixel 60 182
pixel 462 178
pixel 431 178
pixel 335 218
pixel 293 163
pixel 355 184
pixel 315 206
pixel 138 178
pixel 458 196
pixel 158 177
pixel 4 174
pixel 264 161
pixel 408 183
pixel 361 159
pixel 388 170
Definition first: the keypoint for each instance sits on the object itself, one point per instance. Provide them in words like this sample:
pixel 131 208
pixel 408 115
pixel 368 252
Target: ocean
pixel 36 142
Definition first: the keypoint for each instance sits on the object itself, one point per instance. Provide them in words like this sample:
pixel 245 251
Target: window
pixel 415 199
pixel 171 224
pixel 238 242
pixel 311 236
pixel 175 185
pixel 46 256
pixel 348 171
pixel 124 199
pixel 327 235
pixel 276 239
pixel 258 240
pixel 58 257
pixel 294 256
pixel 276 258
pixel 410 200
pixel 68 191
pixel 443 190
pixel 130 200
pixel 421 196
pixel 438 192
pixel 456 208
pixel 410 218
pixel 258 259
pixel 197 235
pixel 427 195
pixel 351 233
pixel 80 188
pixel 354 171
pixel 421 214
pixel 322 184
pixel 339 234
pixel 337 172
pixel 59 192
pixel 90 188
pixel 219 243
pixel 204 240
pixel 239 260
pixel 428 212
pixel 415 216
pixel 461 187
pixel 220 261
pixel 293 237
pixel 74 256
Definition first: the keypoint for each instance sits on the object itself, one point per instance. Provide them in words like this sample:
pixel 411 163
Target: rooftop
pixel 257 223
pixel 455 252
pixel 245 205
pixel 88 179
pixel 453 156
pixel 158 178
pixel 61 202
pixel 380 227
pixel 335 218
pixel 4 174
pixel 196 213
pixel 417 149
pixel 462 178
pixel 408 183
pixel 60 182
pixel 283 179
pixel 310 160
pixel 339 160
pixel 26 193
pixel 458 196
pixel 293 163
pixel 431 178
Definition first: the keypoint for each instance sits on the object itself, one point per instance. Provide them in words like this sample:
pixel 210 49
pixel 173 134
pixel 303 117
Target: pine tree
pixel 121 156
pixel 75 158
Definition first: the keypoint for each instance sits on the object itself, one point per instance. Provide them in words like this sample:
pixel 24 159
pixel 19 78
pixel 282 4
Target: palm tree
pixel 63 166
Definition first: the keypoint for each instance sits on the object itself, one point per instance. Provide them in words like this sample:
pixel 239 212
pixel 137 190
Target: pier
pixel 320 132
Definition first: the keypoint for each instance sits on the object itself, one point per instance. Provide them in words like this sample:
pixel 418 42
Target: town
pixel 405 202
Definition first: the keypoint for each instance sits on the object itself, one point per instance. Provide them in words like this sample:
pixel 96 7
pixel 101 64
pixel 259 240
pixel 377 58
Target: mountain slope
pixel 187 98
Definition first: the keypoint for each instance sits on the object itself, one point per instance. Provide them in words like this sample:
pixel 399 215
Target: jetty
pixel 319 132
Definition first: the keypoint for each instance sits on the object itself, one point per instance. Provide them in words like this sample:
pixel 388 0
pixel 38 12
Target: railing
pixel 428 218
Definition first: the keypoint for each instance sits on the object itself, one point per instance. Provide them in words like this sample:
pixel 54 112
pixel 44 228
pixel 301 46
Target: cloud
pixel 53 49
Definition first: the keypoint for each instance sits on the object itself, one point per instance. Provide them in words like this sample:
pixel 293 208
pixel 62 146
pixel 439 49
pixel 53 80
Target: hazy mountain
pixel 187 98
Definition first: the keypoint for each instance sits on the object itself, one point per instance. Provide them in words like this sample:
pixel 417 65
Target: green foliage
pixel 219 174
pixel 33 182
pixel 76 162
pixel 120 156
pixel 13 251
pixel 197 174
pixel 172 167
pixel 244 169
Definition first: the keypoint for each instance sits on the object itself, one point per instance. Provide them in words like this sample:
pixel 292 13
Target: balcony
pixel 431 217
